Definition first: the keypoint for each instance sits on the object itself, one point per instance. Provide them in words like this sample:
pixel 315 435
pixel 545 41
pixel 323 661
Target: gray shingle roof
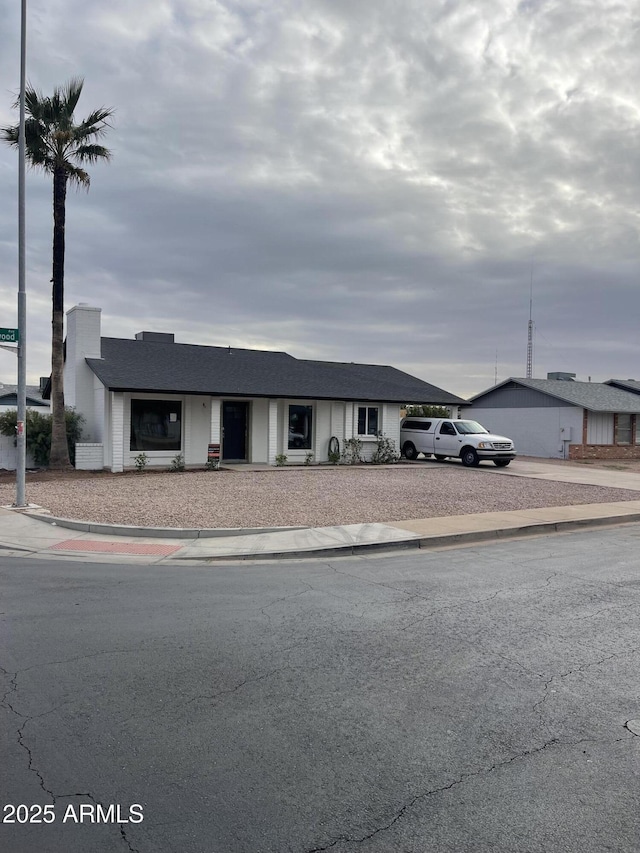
pixel 594 396
pixel 159 367
pixel 632 385
pixel 9 395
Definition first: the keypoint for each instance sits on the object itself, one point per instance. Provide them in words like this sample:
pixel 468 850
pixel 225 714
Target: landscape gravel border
pixel 317 496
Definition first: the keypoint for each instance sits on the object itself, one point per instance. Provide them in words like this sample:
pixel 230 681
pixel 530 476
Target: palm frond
pixel 10 134
pixel 91 153
pixel 53 139
pixel 77 176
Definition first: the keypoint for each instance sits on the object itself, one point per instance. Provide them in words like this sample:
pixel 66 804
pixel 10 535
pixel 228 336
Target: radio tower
pixel 530 330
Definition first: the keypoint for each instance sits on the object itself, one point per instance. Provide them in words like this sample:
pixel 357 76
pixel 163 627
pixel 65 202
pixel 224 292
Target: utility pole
pixel 21 437
pixel 529 373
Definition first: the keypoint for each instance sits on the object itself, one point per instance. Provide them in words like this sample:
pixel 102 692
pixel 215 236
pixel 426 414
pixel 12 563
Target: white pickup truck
pixel 443 437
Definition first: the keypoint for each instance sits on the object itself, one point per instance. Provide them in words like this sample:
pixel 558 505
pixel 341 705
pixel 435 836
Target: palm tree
pixel 60 147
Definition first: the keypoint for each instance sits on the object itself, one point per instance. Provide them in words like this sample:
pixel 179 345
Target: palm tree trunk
pixel 59 457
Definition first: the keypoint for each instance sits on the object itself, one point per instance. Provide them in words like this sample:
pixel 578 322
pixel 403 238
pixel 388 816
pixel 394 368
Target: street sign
pixel 9 336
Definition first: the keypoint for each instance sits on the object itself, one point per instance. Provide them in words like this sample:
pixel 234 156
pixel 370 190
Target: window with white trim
pixel 300 426
pixel 368 420
pixel 156 425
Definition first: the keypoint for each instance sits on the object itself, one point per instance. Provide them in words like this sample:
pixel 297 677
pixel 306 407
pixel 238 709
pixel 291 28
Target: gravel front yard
pixel 314 497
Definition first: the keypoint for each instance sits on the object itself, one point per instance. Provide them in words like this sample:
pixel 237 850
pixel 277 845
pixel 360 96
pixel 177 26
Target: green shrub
pixel 177 463
pixel 38 432
pixel 352 451
pixel 308 458
pixel 141 462
pixel 385 452
pixel 281 459
pixel 428 411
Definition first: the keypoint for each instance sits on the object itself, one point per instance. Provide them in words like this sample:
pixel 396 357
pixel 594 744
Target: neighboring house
pixel 632 385
pixel 9 400
pixel 558 417
pixel 155 396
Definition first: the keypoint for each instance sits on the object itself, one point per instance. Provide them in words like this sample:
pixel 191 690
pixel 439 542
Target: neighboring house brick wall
pixel 604 451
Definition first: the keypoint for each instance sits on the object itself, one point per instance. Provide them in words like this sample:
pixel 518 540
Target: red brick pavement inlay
pixel 115 547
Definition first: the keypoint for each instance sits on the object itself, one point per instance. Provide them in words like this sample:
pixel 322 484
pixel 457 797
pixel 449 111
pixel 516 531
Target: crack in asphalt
pixel 31 765
pixel 426 794
pixel 214 696
pixel 286 598
pixel 582 668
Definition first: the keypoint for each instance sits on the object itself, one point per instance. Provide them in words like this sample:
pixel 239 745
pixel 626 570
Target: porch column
pixel 215 428
pixel 117 433
pixel 272 432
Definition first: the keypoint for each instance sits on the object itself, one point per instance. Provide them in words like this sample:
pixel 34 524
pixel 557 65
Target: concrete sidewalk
pixel 32 533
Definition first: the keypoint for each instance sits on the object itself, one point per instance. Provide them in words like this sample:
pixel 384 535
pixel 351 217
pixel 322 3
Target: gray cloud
pixel 365 181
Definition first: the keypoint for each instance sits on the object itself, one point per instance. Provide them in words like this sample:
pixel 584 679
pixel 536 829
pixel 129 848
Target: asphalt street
pixel 467 699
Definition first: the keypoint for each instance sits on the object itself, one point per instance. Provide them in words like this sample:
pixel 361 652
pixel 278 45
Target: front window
pixel 469 428
pixel 300 424
pixel 623 429
pixel 156 425
pixel 367 420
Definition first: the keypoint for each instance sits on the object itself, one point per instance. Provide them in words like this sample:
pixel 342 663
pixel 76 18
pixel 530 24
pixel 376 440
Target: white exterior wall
pixel 215 421
pixel 544 432
pixel 391 422
pixel 268 429
pixel 599 428
pixel 100 403
pixel 323 432
pixel 196 430
pixel 258 450
pixel 83 341
pixel 117 426
pixel 89 457
pixel 273 432
pixel 337 421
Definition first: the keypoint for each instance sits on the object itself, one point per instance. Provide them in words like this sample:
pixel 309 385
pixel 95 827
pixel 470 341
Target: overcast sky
pixel 351 180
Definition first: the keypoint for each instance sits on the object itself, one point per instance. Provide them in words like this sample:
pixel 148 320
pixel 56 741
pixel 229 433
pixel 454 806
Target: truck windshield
pixel 469 427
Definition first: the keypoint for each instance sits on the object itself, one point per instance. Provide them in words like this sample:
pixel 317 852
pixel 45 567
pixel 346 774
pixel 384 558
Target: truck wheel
pixel 501 463
pixel 409 450
pixel 439 457
pixel 469 457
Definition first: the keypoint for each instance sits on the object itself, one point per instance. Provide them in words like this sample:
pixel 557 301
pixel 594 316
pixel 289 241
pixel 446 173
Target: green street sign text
pixel 9 336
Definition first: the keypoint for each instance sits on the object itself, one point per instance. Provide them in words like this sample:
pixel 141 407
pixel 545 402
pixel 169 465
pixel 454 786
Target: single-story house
pixel 9 400
pixel 559 417
pixel 155 396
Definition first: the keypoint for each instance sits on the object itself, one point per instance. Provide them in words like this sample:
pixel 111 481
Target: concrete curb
pixel 155 532
pixel 424 542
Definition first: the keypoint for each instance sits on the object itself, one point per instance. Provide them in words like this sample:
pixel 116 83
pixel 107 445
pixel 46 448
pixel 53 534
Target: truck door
pixel 447 441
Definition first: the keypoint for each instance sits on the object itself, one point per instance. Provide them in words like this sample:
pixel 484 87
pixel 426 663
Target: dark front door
pixel 234 430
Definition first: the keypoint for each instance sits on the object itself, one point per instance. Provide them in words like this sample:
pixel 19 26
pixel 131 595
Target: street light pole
pixel 21 437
